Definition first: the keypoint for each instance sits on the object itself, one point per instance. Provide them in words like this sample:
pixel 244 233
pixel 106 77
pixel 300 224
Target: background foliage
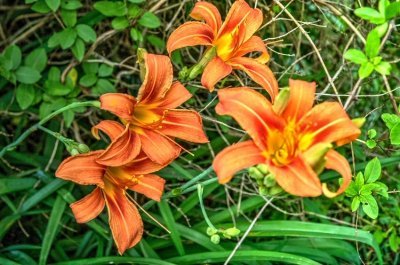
pixel 55 52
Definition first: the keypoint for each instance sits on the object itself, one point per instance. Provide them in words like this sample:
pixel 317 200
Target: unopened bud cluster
pixel 215 234
pixel 75 148
pixel 265 181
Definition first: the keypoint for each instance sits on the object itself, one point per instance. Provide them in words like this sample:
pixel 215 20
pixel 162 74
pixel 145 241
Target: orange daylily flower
pixel 232 40
pixel 293 140
pixel 151 120
pixel 112 182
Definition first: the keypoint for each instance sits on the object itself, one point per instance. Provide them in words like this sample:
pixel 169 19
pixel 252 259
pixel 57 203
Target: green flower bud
pixel 275 190
pixel 74 152
pixel 83 148
pixel 211 231
pixel 263 190
pixel 263 168
pixel 269 180
pixel 260 182
pixel 255 173
pixel 183 74
pixel 281 101
pixel 215 239
pixel 233 231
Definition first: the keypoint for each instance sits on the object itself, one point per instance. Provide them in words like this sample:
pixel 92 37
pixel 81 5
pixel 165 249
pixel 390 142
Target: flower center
pixel 226 44
pixel 119 177
pixel 146 116
pixel 282 147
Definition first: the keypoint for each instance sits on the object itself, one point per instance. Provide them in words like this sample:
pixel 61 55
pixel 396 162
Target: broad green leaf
pixel 78 49
pixel 365 70
pixel 371 133
pixel 394 241
pixel 69 17
pixel 68 116
pixel 370 207
pixel 371 144
pixel 86 32
pixel 67 38
pixel 52 228
pixel 119 23
pixel 90 68
pixel 149 20
pixel 71 4
pixel 382 6
pixel 368 188
pixel 13 54
pixel 54 40
pixel 383 68
pixel 372 44
pixel 88 80
pixel 105 70
pixel 37 59
pixel 352 190
pixel 372 170
pixel 53 4
pixel 27 75
pixel 54 74
pixel 382 29
pixel 390 119
pixel 41 7
pixel 156 41
pixel 12 185
pixel 355 56
pixel 136 35
pixel 393 10
pixel 355 204
pixel 170 223
pixel 136 1
pixel 134 11
pixel 382 189
pixel 370 14
pixel 103 86
pixel 111 9
pixel 25 95
pixel 395 134
pixel 359 182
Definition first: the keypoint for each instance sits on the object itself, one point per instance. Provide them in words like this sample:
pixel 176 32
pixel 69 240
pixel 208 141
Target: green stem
pixel 179 190
pixel 204 183
pixel 203 210
pixel 23 136
pixel 54 134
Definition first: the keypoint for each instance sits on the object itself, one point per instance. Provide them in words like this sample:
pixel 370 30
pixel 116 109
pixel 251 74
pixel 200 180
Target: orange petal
pixel 175 96
pixel 254 44
pixel 329 122
pixel 251 110
pixel 113 129
pixel 243 16
pixel 337 162
pixel 82 169
pixel 184 124
pixel 215 70
pixel 89 207
pixel 301 99
pixel 125 222
pixel 152 186
pixel 158 78
pixel 209 13
pixel 142 165
pixel 119 104
pixel 190 34
pixel 236 157
pixel 122 150
pixel 259 72
pixel 297 178
pixel 158 148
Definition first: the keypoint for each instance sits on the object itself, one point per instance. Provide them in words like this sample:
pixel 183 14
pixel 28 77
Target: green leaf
pixel 382 189
pixel 115 260
pixel 88 80
pixel 149 20
pixel 90 68
pixel 37 59
pixel 54 40
pixel 355 56
pixel 111 9
pixel 41 7
pixel 382 29
pixel 383 68
pixel 393 10
pixel 78 49
pixel 370 207
pixel 25 95
pixel 105 70
pixel 372 170
pixel 119 23
pixel 103 86
pixel 12 185
pixel 67 38
pixel 86 33
pixel 68 116
pixel 69 17
pixel 395 134
pixel 352 190
pixel 365 70
pixel 372 44
pixel 71 4
pixel 370 14
pixel 53 4
pixel 170 223
pixel 52 228
pixel 156 41
pixel 54 74
pixel 390 119
pixel 371 144
pixel 13 54
pixel 382 6
pixel 134 11
pixel 371 133
pixel 368 188
pixel 394 241
pixel 27 75
pixel 355 204
pixel 136 1
pixel 136 35
pixel 359 182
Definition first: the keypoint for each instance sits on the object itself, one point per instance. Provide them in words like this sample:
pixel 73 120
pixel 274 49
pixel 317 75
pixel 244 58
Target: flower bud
pixel 281 101
pixel 83 148
pixel 359 122
pixel 255 173
pixel 233 231
pixel 211 231
pixel 74 152
pixel 215 239
pixel 263 190
pixel 263 168
pixel 269 180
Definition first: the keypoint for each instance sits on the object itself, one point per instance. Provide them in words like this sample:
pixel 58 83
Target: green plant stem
pixel 204 183
pixel 197 178
pixel 23 136
pixel 203 210
pixel 54 134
